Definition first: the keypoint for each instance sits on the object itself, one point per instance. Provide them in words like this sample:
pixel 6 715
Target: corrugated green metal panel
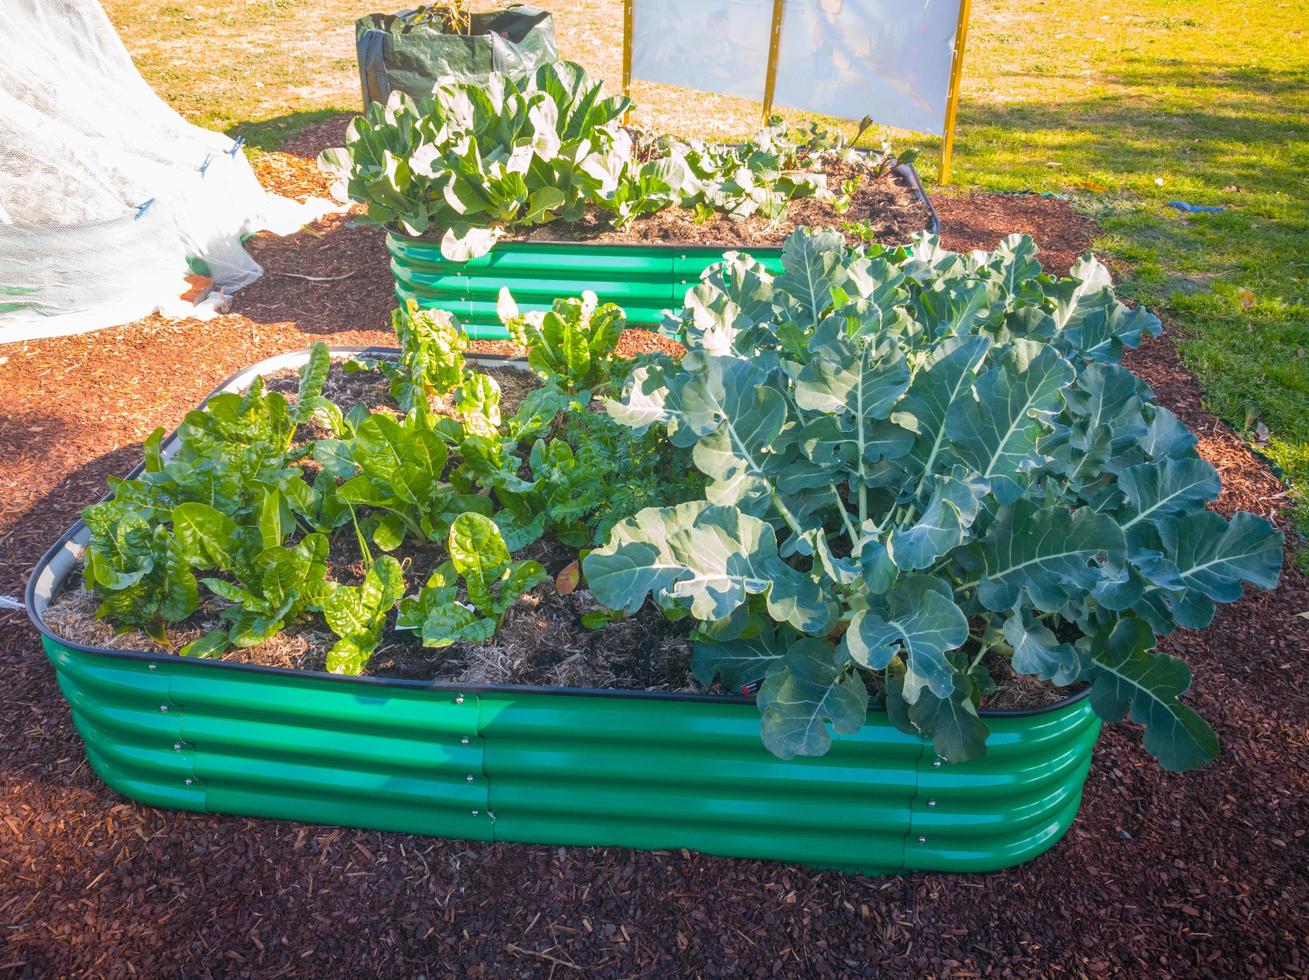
pixel 644 280
pixel 567 768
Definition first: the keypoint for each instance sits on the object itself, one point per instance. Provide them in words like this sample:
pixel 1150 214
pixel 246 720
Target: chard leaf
pixel 209 538
pixel 806 693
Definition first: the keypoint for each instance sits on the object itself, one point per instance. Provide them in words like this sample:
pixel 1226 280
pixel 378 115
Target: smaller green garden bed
pixel 646 280
pixel 536 186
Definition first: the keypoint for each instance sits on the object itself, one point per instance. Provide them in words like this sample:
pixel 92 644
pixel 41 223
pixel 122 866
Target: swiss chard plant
pixel 918 464
pixel 573 345
pixel 234 457
pixel 492 582
pixel 397 469
pixel 357 614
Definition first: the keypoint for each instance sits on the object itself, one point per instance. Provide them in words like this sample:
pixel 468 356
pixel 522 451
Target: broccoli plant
pixel 915 462
pixel 492 580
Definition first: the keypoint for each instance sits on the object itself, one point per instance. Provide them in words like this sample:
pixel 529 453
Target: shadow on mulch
pixel 1199 874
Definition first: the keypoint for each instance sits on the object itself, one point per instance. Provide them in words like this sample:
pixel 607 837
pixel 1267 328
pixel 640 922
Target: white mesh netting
pixel 106 192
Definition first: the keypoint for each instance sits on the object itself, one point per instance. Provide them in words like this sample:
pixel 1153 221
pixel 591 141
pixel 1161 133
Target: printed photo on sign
pixel 711 45
pixel 883 58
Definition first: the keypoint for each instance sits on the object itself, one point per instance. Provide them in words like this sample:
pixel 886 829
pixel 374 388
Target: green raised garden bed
pixel 554 766
pixel 645 280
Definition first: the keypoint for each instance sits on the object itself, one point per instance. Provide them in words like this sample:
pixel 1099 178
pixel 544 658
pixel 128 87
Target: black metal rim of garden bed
pixel 43 566
pixel 905 171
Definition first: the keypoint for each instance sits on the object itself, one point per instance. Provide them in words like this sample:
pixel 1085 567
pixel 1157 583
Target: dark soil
pixel 541 641
pixel 885 205
pixel 1199 874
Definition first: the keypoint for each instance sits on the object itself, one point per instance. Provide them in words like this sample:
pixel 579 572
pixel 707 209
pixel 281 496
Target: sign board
pixel 887 59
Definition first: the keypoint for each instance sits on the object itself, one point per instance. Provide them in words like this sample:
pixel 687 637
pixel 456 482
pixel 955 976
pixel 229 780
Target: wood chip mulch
pixel 1201 874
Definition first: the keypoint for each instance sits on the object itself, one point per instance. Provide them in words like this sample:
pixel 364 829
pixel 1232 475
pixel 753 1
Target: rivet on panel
pixel 922 840
pixel 476 812
pixel 464 740
pixel 931 802
pixel 459 699
pixel 152 666
pixel 936 763
pixel 189 780
pixel 177 746
pixel 163 708
pixel 469 777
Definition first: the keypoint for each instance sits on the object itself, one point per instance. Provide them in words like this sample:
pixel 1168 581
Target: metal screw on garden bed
pixel 931 802
pixel 153 666
pixel 922 840
pixel 177 746
pixel 936 763
pixel 163 708
pixel 464 740
pixel 189 780
pixel 469 777
pixel 459 699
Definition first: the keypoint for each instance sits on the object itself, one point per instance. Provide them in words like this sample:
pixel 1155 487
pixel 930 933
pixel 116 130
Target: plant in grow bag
pixel 917 463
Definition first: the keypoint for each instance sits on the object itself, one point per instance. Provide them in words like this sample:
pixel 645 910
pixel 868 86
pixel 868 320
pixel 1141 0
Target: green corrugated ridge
pixel 644 280
pixel 559 768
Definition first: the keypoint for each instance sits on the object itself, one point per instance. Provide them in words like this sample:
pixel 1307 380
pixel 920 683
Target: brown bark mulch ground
pixel 1201 874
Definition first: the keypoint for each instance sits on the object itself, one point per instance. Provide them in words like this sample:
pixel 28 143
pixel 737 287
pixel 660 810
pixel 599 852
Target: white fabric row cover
pixel 108 198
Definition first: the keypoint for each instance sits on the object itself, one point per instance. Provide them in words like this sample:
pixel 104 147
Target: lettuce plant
pixel 917 464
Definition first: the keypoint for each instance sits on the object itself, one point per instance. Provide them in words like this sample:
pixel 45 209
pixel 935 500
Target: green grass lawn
pixel 1125 105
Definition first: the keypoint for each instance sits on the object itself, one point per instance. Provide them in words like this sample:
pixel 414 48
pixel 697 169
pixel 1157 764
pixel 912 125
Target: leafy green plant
pixel 572 346
pixel 474 159
pixel 138 570
pixel 233 457
pixel 431 363
pixel 397 468
pixel 270 586
pixel 917 462
pixel 357 615
pixel 492 582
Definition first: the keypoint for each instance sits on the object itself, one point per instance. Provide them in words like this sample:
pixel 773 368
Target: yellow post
pixel 956 74
pixel 774 43
pixel 627 53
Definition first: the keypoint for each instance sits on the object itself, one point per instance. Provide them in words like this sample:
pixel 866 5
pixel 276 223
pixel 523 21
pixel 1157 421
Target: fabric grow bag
pixel 553 765
pixel 407 52
pixel 645 280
